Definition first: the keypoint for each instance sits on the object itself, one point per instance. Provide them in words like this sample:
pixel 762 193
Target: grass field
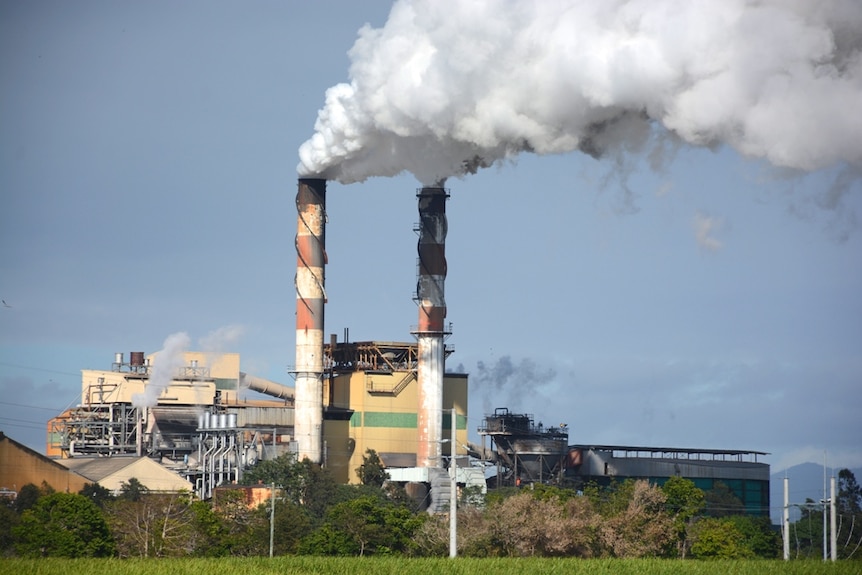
pixel 402 566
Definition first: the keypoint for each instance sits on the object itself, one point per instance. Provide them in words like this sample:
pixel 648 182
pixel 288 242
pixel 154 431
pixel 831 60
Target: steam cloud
pixel 445 88
pixel 170 359
pixel 216 342
pixel 165 367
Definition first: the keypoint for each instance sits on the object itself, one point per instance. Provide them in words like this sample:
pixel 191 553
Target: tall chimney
pixel 432 311
pixel 310 299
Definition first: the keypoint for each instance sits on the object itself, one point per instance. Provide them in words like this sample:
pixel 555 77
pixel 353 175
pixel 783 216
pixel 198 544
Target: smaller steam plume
pixel 168 360
pixel 219 341
pixel 508 384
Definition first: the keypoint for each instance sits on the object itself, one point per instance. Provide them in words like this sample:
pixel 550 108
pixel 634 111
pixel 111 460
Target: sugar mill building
pixel 194 417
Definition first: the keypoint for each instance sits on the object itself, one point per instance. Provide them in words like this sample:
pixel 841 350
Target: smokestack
pixel 432 311
pixel 310 299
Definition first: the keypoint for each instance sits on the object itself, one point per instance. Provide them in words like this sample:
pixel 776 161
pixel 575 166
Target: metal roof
pixel 98 468
pixel 676 451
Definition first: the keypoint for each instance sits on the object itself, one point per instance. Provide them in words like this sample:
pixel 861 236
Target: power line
pixel 51 409
pixel 15 365
pixel 26 425
pixel 19 420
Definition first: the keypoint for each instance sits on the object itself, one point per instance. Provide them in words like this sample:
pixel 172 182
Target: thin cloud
pixel 705 228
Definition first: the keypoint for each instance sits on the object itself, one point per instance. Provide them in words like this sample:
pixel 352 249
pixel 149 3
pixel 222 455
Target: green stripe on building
pixel 388 419
pixel 402 420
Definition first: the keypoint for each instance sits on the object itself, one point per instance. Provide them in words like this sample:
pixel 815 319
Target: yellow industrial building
pixel 192 378
pixel 371 399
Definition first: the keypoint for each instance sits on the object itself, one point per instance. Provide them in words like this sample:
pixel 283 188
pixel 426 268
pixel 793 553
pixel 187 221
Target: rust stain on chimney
pixel 310 300
pixel 430 295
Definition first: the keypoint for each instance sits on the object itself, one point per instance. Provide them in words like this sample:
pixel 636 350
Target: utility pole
pixel 833 539
pixel 271 518
pixel 785 524
pixel 824 507
pixel 453 494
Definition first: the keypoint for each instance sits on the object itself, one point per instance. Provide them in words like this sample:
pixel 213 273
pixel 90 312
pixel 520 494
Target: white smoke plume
pixel 167 361
pixel 447 87
pixel 216 343
pixel 220 340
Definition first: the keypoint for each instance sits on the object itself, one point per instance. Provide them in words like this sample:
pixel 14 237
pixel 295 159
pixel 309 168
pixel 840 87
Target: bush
pixel 63 525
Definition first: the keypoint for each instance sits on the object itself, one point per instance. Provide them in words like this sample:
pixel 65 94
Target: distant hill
pixel 806 482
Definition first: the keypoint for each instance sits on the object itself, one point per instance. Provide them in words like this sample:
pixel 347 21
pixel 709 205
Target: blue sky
pixel 148 157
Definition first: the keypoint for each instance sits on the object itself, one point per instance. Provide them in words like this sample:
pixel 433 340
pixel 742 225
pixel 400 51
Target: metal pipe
pixel 268 387
pixel 310 300
pixel 208 466
pixel 430 295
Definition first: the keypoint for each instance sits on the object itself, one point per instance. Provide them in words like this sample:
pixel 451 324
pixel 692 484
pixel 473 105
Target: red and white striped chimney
pixel 431 331
pixel 310 300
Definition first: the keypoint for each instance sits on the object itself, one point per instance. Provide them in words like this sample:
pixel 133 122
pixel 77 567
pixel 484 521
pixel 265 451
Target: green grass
pixel 402 566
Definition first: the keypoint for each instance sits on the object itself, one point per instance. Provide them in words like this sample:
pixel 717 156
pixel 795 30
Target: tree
pixel 642 528
pixel 515 525
pixel 27 497
pixel 719 538
pixel 97 494
pixel 249 529
pixel 315 490
pixel 154 526
pixel 302 482
pixel 758 535
pixel 291 525
pixel 211 531
pixel 63 525
pixel 372 472
pixel 280 471
pixel 133 490
pixel 472 496
pixel 364 526
pixel 432 537
pixel 327 541
pixel 577 531
pixel 849 493
pixel 537 523
pixel 610 499
pixel 229 526
pixel 362 521
pixel 627 520
pixel 684 502
pixel 806 534
pixel 722 502
pixel 849 507
pixel 544 491
pixel 8 520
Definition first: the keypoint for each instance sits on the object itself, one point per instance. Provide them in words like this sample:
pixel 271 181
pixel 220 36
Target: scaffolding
pixel 98 429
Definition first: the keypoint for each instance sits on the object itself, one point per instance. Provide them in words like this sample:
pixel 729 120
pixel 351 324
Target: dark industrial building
pixel 740 471
pixel 525 452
